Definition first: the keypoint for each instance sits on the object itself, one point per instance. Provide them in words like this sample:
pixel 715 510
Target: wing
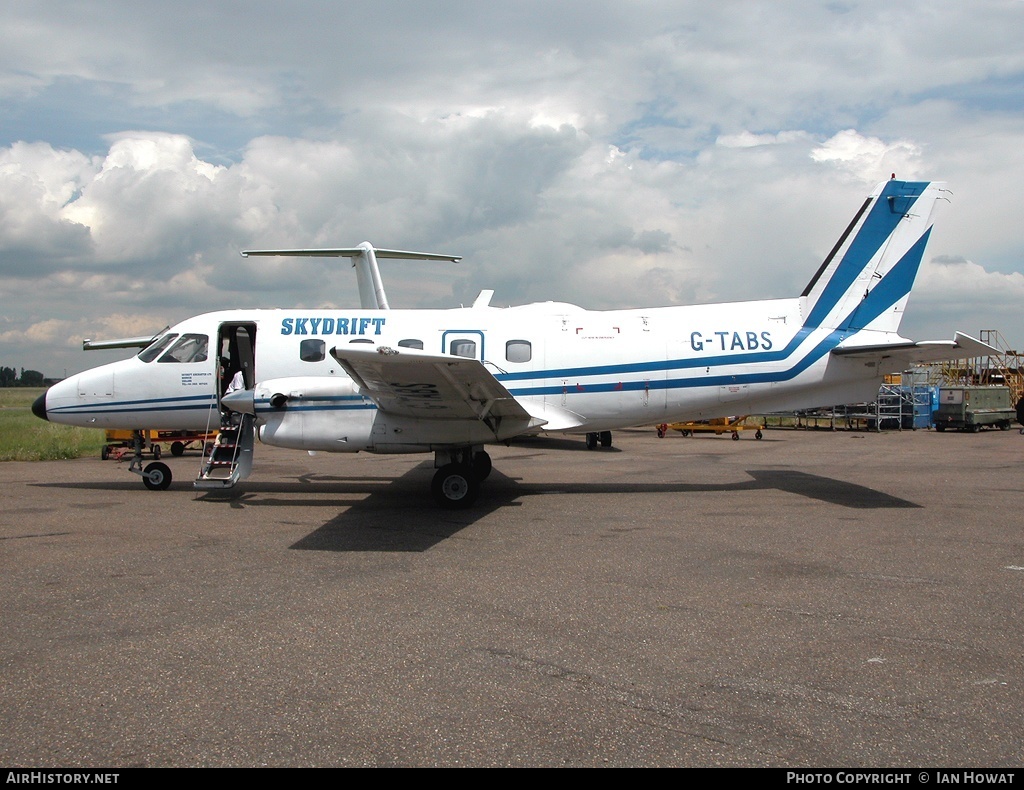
pixel 898 356
pixel 412 383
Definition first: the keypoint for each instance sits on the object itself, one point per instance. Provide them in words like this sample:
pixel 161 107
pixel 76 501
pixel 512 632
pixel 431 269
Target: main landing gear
pixel 456 483
pixel 604 438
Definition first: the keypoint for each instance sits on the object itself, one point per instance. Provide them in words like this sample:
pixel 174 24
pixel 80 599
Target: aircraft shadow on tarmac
pixel 400 515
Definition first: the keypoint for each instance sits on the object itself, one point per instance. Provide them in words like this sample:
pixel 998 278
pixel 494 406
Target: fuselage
pixel 609 369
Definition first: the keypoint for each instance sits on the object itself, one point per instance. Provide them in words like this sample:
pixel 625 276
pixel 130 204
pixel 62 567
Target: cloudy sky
pixel 611 154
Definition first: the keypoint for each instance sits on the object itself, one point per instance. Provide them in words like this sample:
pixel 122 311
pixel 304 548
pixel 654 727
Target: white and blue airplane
pixel 450 382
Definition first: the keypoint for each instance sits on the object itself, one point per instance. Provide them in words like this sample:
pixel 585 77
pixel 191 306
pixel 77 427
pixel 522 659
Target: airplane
pixel 452 381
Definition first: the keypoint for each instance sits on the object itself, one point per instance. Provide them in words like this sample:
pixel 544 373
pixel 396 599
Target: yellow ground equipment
pixel 120 442
pixel 717 426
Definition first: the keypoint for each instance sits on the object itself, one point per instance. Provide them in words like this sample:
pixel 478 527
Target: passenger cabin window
pixel 189 348
pixel 361 340
pixel 411 343
pixel 518 351
pixel 152 351
pixel 463 348
pixel 312 350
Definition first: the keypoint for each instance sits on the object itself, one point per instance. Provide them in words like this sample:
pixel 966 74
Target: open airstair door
pixel 229 459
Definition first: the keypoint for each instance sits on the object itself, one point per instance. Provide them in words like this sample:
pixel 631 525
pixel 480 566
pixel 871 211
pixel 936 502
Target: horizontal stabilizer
pixel 124 342
pixel 354 252
pixel 364 261
pixel 899 355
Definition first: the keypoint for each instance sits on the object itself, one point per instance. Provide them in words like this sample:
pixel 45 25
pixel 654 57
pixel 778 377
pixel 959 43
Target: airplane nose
pixel 39 407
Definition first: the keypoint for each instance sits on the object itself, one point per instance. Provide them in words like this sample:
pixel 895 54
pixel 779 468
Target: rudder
pixel 866 279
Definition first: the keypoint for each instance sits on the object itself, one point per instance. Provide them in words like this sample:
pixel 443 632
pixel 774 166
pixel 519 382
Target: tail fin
pixel 865 281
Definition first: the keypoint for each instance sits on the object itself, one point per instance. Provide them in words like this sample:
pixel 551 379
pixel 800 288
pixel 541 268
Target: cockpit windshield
pixel 154 349
pixel 189 348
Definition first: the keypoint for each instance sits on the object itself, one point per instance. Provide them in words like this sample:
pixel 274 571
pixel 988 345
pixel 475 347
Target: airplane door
pixel 467 343
pixel 237 346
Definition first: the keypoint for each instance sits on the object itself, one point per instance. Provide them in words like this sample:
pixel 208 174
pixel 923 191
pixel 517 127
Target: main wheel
pixel 157 476
pixel 455 486
pixel 605 437
pixel 591 441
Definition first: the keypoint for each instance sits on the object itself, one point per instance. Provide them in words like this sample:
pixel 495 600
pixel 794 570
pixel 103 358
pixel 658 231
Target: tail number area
pixel 731 341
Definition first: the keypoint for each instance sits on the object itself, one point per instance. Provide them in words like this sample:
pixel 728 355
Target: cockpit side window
pixel 189 348
pixel 153 350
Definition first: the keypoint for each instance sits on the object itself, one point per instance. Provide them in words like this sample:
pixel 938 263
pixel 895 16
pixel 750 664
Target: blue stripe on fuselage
pixel 132 406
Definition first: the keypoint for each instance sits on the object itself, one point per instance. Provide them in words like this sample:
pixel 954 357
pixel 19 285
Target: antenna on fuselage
pixel 364 261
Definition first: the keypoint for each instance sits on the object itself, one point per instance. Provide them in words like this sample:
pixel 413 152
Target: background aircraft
pixel 452 381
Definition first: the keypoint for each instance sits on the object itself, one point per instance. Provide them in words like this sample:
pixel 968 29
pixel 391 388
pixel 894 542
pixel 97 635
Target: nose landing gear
pixel 156 476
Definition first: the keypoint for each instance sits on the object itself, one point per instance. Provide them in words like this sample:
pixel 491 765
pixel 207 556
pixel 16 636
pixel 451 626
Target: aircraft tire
pixel 591 441
pixel 605 437
pixel 455 486
pixel 157 476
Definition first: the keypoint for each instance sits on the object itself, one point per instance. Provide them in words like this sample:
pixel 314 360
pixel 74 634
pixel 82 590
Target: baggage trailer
pixel 117 443
pixel 717 426
pixel 974 408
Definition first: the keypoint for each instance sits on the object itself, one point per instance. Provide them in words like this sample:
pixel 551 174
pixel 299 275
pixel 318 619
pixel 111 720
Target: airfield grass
pixel 24 437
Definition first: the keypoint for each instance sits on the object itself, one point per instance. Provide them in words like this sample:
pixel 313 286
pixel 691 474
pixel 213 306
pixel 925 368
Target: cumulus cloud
pixel 866 157
pixel 36 183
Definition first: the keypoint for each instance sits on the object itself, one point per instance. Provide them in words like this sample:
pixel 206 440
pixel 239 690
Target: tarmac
pixel 810 599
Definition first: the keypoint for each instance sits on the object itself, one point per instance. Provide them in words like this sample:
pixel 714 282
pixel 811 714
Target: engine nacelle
pixel 314 413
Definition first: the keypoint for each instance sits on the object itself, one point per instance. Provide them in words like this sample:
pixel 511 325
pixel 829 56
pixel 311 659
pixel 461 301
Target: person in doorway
pixel 237 382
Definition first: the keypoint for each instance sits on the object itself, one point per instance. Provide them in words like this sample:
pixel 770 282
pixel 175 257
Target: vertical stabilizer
pixel 865 281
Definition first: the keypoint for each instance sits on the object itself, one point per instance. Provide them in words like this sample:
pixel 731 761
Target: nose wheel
pixel 157 476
